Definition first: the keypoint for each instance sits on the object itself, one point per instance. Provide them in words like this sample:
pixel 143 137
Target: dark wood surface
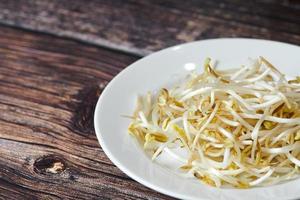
pixel 57 56
pixel 140 26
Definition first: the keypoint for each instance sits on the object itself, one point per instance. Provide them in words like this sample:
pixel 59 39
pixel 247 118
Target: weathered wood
pixel 48 90
pixel 144 26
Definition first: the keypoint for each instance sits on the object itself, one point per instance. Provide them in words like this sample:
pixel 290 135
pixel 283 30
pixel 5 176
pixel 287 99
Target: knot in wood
pixel 50 164
pixel 88 97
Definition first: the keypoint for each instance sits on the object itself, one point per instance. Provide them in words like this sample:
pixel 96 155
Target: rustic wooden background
pixel 56 56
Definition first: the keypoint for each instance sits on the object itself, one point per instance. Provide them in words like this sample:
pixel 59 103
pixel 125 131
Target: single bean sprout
pixel 239 127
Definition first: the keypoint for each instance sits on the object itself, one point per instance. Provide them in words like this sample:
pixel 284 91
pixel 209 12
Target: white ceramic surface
pixel 161 69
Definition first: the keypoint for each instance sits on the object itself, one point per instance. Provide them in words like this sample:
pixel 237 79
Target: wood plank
pixel 48 90
pixel 141 27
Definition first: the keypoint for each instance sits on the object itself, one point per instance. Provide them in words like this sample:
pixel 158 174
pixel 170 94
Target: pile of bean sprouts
pixel 240 127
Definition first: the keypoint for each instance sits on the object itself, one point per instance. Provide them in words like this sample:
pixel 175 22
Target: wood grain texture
pixel 48 90
pixel 143 26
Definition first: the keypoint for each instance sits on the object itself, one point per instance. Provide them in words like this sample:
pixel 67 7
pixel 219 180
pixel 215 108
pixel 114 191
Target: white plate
pixel 161 69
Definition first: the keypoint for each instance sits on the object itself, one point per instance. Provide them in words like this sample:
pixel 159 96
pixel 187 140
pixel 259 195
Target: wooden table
pixel 56 56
